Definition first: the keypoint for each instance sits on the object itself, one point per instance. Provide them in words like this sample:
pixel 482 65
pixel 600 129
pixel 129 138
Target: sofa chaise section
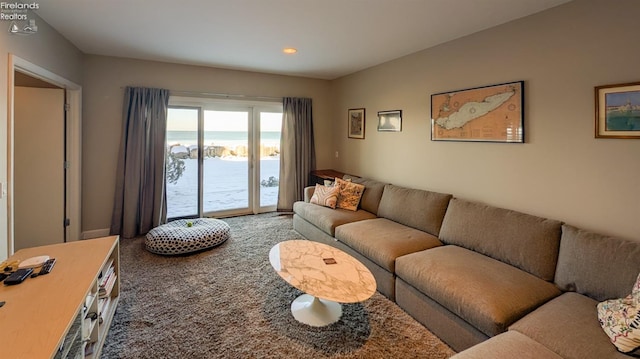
pixel 591 268
pixel 568 325
pixel 508 345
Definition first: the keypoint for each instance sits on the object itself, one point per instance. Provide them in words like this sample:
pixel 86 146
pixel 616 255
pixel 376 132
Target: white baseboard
pixel 96 233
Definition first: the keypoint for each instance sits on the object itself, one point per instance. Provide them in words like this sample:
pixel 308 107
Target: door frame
pixel 257 206
pixel 73 117
pixel 253 108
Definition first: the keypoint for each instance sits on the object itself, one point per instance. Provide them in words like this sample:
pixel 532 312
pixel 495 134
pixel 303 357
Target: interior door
pixel 39 182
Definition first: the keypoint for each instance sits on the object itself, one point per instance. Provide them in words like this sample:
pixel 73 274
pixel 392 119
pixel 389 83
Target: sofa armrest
pixel 308 192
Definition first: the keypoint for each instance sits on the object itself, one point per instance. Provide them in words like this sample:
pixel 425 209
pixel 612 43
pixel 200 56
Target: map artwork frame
pixel 493 113
pixel 618 111
pixel 356 123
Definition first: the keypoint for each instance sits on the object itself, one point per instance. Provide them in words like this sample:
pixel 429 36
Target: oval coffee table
pixel 326 274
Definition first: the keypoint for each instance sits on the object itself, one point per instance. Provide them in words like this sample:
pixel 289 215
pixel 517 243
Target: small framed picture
pixel 356 123
pixel 390 121
pixel 618 111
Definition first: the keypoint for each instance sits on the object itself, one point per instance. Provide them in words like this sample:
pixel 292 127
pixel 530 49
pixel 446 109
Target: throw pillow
pixel 620 319
pixel 325 196
pixel 350 194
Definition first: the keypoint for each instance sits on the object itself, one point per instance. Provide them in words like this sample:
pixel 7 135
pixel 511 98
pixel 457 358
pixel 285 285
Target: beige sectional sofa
pixel 483 279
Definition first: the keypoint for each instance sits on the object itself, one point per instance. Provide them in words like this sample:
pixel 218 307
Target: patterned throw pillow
pixel 325 196
pixel 350 194
pixel 620 319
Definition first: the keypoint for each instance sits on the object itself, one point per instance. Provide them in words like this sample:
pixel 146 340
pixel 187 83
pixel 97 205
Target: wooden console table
pixel 319 176
pixel 66 313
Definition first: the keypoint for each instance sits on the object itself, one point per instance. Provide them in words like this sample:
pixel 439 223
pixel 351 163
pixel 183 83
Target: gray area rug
pixel 228 302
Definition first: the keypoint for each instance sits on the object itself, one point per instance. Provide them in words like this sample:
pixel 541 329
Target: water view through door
pixel 222 161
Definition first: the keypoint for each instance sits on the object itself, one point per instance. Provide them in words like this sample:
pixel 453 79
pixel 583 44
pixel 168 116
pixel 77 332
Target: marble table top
pixel 322 271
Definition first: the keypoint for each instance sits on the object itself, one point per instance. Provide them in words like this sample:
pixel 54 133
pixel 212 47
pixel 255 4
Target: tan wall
pixel 562 171
pixel 104 82
pixel 47 49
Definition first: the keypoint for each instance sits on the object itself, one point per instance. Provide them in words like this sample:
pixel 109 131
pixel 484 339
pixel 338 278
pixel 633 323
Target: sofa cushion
pixel 485 292
pixel 620 320
pixel 528 242
pixel 350 194
pixel 419 209
pixel 328 219
pixel 569 326
pixel 372 193
pixel 325 196
pixel 580 249
pixel 382 240
pixel 508 345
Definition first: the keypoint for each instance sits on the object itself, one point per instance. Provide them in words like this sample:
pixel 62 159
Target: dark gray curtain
pixel 297 151
pixel 140 197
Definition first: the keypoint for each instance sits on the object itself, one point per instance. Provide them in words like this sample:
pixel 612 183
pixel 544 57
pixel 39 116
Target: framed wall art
pixel 492 113
pixel 390 121
pixel 618 111
pixel 356 122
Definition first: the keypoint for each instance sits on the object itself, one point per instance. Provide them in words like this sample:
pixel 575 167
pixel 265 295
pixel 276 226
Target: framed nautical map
pixel 618 111
pixel 492 113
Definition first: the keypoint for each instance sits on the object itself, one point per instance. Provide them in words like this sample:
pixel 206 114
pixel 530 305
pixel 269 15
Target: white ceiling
pixel 333 37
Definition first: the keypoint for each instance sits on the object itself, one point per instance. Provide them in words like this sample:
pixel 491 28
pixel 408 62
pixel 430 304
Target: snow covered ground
pixel 225 185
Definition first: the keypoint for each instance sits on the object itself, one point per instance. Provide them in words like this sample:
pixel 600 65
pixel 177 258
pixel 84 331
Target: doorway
pixel 38 170
pixel 72 141
pixel 222 158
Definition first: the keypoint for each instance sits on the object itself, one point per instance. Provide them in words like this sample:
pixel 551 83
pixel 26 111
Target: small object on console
pixel 47 266
pixel 9 266
pixel 18 276
pixel 33 262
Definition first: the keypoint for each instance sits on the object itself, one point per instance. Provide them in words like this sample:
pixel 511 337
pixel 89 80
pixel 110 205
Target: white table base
pixel 315 312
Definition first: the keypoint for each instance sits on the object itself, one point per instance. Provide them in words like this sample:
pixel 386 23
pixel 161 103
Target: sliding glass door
pixel 268 174
pixel 222 158
pixel 181 177
pixel 226 164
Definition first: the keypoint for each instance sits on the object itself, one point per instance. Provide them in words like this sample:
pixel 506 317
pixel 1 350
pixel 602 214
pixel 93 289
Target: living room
pixel 561 171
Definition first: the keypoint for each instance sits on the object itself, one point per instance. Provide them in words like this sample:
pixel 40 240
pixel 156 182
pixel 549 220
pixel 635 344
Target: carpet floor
pixel 228 302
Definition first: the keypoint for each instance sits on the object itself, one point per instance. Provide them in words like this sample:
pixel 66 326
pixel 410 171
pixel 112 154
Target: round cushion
pixel 177 237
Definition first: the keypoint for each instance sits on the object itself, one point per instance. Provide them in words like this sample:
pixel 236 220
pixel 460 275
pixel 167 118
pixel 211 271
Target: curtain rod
pixel 222 95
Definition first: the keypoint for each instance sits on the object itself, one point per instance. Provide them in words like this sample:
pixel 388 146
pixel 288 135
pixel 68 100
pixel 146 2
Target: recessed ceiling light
pixel 289 50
